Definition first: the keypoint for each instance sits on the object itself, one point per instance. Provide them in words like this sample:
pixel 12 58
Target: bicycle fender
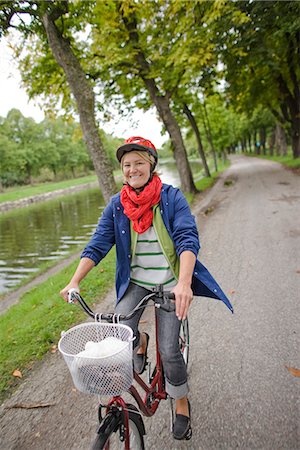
pixel 134 408
pixel 109 423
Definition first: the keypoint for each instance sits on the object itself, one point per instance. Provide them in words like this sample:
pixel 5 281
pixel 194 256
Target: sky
pixel 12 95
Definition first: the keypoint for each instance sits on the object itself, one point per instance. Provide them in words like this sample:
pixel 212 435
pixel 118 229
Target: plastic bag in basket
pixel 103 367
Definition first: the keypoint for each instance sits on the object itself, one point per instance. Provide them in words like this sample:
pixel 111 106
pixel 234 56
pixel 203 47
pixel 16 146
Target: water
pixel 44 232
pixel 47 231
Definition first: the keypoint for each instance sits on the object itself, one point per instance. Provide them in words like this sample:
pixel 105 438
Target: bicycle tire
pixel 108 435
pixel 184 340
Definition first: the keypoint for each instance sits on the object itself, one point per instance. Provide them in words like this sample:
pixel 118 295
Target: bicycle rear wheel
pixel 184 340
pixel 108 437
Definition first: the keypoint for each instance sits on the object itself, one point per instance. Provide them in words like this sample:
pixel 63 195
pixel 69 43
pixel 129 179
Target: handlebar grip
pixel 72 295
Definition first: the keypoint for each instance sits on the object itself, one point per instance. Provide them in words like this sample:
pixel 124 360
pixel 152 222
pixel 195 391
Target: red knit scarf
pixel 138 206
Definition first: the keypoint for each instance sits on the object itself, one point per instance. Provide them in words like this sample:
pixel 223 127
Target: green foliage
pixel 190 47
pixel 261 56
pixel 24 144
pixel 110 144
pixel 167 34
pixel 27 149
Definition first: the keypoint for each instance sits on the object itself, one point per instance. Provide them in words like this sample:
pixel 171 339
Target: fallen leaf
pixel 143 321
pixel 17 373
pixel 53 348
pixel 298 271
pixel 38 434
pixel 293 371
pixel 232 291
pixel 209 210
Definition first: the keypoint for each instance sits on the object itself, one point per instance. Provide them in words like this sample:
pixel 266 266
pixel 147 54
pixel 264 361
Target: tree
pixel 126 67
pixel 261 56
pixel 9 164
pixel 63 148
pixel 208 132
pixel 196 130
pixel 47 20
pixel 26 137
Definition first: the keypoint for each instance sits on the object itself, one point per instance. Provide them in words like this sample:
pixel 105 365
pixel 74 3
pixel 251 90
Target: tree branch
pixel 276 114
pixel 59 11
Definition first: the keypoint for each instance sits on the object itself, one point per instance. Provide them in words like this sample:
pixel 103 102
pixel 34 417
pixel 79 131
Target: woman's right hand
pixel 64 292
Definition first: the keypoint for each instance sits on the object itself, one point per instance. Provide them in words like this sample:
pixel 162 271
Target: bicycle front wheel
pixel 109 437
pixel 184 340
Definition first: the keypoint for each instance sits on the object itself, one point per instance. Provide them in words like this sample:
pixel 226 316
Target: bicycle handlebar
pixel 161 299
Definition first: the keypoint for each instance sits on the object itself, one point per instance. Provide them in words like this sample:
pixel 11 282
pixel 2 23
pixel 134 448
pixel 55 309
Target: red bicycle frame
pixel 154 392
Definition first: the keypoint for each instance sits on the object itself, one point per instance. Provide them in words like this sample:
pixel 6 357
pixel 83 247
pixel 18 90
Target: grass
pixel 32 327
pixel 17 193
pixel 288 160
pixel 207 182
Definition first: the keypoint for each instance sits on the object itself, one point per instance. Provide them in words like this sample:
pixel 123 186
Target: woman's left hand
pixel 183 298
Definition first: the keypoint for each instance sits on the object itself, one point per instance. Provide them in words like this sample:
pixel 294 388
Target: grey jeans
pixel 168 340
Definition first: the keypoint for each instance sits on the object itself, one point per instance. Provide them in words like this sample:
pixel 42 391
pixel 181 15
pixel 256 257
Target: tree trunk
pixel 85 100
pixel 243 146
pixel 224 156
pixel 280 141
pixel 295 136
pixel 195 128
pixel 255 143
pixel 209 136
pixel 262 138
pixel 180 155
pixel 54 172
pixel 272 142
pixel 249 143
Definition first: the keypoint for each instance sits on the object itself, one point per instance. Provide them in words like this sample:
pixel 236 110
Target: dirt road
pixel 242 394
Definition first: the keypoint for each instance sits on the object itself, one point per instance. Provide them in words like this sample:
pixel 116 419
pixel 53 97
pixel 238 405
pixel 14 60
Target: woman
pixel 157 243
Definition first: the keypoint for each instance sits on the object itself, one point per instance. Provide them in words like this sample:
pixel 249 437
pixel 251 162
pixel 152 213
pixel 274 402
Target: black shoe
pixel 140 361
pixel 182 429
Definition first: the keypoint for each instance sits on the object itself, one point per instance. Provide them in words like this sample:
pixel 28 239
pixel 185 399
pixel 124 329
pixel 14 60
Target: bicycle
pixel 122 425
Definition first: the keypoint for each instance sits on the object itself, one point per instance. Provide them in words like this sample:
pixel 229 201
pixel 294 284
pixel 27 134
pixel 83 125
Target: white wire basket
pixel 99 357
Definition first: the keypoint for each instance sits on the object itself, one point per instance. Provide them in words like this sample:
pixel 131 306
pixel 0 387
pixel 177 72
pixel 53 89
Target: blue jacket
pixel 114 228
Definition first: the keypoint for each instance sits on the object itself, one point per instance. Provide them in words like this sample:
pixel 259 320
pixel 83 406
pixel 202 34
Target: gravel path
pixel 242 394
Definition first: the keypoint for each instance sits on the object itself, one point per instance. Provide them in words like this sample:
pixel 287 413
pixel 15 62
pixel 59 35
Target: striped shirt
pixel 149 265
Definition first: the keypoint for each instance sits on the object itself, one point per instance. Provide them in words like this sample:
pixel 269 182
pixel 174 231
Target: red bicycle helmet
pixel 137 143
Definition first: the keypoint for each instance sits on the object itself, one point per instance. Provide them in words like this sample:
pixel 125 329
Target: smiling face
pixel 136 170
